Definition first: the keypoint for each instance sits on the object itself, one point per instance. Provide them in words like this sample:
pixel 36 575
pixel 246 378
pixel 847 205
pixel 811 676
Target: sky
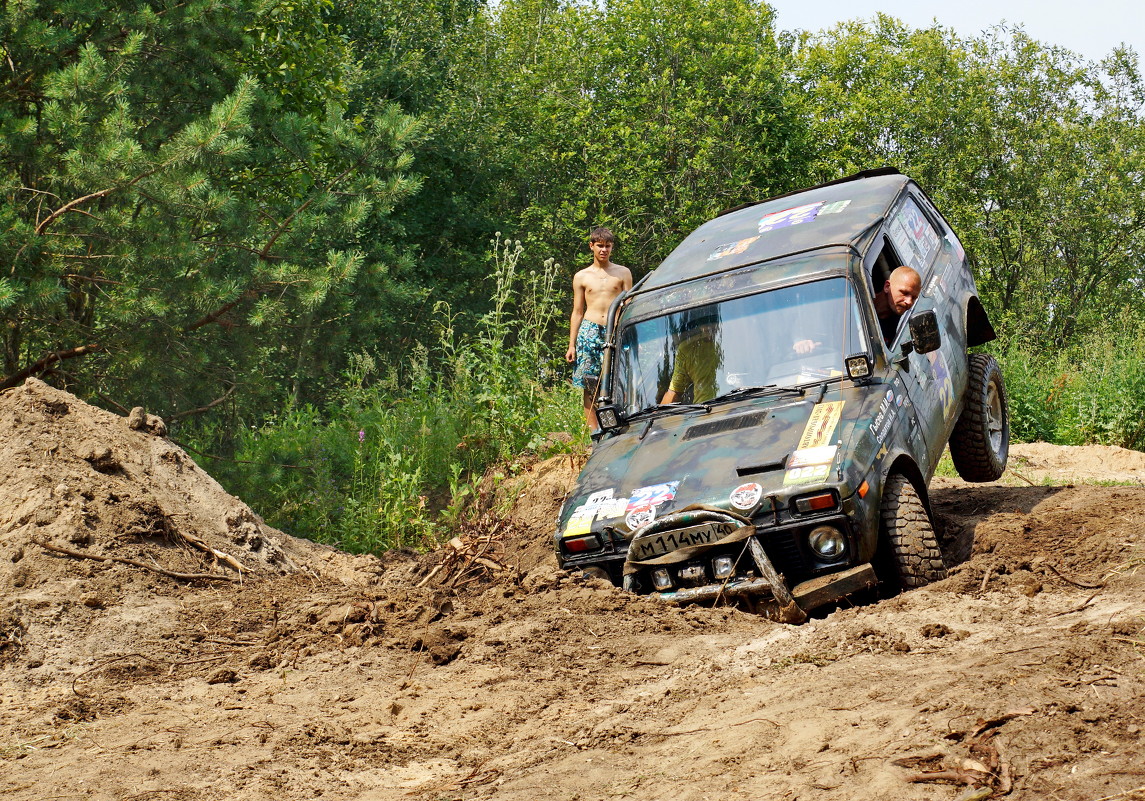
pixel 1092 27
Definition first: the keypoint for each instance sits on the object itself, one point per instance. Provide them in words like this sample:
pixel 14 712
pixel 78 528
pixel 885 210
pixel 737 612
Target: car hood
pixel 744 457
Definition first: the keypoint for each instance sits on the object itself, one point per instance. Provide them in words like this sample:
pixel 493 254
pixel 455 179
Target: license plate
pixel 669 541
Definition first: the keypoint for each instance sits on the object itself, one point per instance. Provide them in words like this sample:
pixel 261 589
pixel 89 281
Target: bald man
pixel 899 293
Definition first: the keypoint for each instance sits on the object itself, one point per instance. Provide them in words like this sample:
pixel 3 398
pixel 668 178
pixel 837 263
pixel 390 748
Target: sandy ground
pixel 481 671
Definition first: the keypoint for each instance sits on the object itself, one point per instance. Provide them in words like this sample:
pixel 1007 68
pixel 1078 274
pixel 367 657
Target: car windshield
pixel 786 337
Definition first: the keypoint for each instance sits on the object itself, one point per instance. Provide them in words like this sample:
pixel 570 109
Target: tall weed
pixel 392 459
pixel 1092 392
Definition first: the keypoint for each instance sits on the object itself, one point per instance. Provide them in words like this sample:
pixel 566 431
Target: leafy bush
pixel 1093 392
pixel 391 460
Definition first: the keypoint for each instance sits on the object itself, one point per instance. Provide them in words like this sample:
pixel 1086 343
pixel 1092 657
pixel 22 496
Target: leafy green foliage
pixel 1036 156
pixel 173 211
pixel 392 458
pixel 1092 392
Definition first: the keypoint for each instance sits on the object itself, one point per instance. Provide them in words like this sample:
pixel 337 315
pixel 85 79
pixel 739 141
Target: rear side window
pixel 914 237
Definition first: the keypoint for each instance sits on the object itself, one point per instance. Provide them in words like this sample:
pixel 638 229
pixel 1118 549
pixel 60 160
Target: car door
pixel 909 237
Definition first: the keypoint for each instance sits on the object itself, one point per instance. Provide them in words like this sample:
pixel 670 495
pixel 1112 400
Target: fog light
pixel 661 580
pixel 722 566
pixel 597 572
pixel 693 573
pixel 827 542
pixel 858 366
pixel 608 417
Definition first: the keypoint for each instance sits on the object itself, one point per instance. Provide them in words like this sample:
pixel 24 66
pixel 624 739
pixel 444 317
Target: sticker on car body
pixel 640 516
pixel 746 496
pixel 653 495
pixel 821 424
pixel 732 248
pixel 792 216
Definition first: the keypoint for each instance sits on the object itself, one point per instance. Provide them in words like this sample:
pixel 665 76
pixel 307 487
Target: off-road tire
pixel 911 556
pixel 980 442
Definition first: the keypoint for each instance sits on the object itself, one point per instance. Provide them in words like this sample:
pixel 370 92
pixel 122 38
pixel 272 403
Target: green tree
pixel 1034 154
pixel 182 199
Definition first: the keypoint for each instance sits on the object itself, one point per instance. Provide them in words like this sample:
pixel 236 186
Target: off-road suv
pixel 789 466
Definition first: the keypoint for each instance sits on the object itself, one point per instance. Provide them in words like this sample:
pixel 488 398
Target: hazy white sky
pixel 1091 28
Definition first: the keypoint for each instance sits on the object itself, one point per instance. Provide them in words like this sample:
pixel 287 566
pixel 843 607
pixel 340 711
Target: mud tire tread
pixel 912 548
pixel 974 457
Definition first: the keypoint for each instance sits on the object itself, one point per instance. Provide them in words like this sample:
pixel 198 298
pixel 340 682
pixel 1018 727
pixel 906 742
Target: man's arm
pixel 576 317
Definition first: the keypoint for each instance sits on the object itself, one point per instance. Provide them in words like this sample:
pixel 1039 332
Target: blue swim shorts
pixel 589 349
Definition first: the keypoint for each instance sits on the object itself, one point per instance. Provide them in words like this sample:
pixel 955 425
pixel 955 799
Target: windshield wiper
pixel 751 392
pixel 662 408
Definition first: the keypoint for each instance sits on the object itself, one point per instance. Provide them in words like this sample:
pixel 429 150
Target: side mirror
pixel 924 331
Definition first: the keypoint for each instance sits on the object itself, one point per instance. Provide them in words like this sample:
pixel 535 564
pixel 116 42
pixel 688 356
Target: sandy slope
pixel 326 675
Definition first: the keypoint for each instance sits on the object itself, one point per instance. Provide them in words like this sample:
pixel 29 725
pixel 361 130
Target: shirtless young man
pixel 594 289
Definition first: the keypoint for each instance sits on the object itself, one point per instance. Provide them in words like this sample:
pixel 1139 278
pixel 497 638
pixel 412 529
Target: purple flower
pixel 361 435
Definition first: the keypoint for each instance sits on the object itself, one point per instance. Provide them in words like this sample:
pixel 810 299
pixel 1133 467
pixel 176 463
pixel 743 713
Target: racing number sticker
pixel 812 461
pixel 821 424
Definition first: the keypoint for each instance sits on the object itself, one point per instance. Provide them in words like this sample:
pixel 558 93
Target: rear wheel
pixel 980 442
pixel 910 555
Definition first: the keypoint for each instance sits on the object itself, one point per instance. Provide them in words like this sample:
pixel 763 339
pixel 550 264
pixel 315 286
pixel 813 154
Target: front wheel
pixel 980 442
pixel 911 557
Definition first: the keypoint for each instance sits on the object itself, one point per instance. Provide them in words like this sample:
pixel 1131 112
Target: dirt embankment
pixel 481 671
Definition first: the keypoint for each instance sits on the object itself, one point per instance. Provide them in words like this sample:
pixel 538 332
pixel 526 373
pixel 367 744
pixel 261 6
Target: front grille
pixel 782 548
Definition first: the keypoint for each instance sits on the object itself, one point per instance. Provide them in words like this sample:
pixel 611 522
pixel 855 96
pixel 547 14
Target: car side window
pixel 914 235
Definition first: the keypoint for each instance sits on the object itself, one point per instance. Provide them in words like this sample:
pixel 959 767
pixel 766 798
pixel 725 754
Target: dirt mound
pixel 82 479
pixel 1079 463
pixel 482 671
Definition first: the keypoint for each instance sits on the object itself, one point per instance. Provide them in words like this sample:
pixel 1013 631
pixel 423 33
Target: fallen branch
pixel 44 362
pixel 1068 580
pixel 170 666
pixel 134 563
pixel 222 556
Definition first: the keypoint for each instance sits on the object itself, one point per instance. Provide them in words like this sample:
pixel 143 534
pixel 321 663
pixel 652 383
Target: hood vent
pixel 726 424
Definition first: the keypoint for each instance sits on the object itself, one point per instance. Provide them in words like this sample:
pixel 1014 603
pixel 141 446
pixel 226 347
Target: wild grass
pixel 1090 393
pixel 392 460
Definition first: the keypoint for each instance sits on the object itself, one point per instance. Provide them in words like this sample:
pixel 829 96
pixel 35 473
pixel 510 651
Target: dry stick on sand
pixel 1083 585
pixel 134 563
pixel 222 556
pixel 170 666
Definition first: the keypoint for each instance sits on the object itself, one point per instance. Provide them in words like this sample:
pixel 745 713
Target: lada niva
pixel 764 441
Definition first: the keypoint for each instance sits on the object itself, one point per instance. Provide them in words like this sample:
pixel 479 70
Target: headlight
pixel 661 580
pixel 722 566
pixel 827 542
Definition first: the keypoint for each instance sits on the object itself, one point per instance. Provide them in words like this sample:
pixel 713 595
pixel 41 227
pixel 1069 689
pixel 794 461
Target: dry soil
pixel 159 641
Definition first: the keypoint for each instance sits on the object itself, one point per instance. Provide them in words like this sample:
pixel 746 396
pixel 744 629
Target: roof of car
pixel 836 213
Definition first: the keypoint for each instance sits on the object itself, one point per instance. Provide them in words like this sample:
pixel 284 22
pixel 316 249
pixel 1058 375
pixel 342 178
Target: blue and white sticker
pixel 652 496
pixel 793 216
